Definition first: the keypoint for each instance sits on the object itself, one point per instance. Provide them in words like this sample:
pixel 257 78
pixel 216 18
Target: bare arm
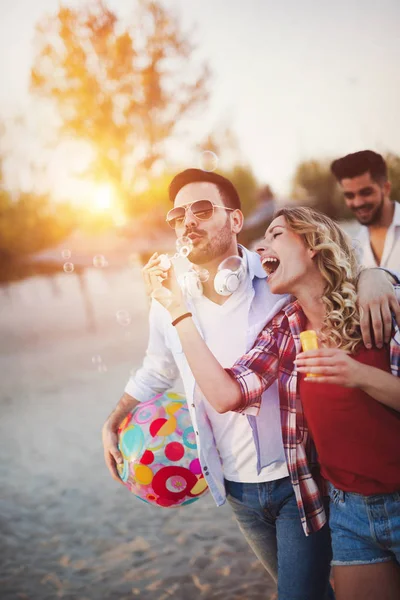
pixel 381 386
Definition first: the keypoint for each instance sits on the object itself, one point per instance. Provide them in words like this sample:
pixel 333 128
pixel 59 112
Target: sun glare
pixel 103 197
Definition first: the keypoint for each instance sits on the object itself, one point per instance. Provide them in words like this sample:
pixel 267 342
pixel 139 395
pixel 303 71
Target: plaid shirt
pixel 272 357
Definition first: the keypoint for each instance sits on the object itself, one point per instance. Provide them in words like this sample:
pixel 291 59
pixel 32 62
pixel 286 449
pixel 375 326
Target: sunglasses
pixel 201 209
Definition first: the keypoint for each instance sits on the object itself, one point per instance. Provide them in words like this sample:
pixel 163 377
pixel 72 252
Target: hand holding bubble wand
pixel 168 277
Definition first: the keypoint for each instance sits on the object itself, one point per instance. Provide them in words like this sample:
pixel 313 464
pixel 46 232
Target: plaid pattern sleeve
pixel 271 358
pixel 256 371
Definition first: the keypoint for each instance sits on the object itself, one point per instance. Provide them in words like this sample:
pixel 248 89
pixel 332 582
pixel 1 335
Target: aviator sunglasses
pixel 201 209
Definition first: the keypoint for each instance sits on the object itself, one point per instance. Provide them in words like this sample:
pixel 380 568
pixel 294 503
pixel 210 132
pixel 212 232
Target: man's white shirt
pixel 391 252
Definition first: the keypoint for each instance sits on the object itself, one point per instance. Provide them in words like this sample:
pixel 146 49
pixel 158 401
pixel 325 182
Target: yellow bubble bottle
pixel 309 341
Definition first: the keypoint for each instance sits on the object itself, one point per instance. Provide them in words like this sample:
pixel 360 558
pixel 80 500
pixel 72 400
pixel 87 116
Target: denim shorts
pixel 364 529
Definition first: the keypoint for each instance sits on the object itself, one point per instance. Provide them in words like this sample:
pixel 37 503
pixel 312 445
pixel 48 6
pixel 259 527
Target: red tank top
pixel 357 438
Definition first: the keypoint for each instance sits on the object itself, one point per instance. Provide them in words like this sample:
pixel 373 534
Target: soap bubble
pixel 96 359
pixel 123 318
pixel 66 254
pixel 208 161
pixel 184 246
pixel 99 261
pixel 202 274
pixel 233 263
pixel 165 262
pixel 68 267
pixel 102 368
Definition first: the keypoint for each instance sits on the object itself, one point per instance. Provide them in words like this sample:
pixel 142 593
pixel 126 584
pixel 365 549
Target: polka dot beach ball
pixel 158 445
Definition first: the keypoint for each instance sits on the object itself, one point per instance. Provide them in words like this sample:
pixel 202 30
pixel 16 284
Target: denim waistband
pixel 341 495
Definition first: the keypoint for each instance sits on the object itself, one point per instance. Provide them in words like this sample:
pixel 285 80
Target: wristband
pixel 176 321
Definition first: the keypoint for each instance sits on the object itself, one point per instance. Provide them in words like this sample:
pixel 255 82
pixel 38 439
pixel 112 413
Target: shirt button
pixel 193 405
pixel 205 468
pixel 197 433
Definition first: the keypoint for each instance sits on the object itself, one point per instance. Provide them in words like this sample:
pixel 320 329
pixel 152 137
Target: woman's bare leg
pixel 379 581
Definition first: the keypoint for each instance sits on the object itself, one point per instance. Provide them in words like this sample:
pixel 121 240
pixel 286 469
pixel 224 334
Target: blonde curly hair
pixel 336 260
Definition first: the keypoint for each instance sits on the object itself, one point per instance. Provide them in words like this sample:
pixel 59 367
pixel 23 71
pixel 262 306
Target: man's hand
pixel 112 455
pixel 377 301
pixel 152 280
pixel 162 284
pixel 332 366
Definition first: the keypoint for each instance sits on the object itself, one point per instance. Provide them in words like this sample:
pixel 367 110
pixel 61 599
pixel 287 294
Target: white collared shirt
pixel 391 251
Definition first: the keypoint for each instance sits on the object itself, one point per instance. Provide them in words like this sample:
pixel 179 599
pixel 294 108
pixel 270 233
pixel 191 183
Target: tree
pixel 121 88
pixel 28 224
pixel 314 185
pixel 393 164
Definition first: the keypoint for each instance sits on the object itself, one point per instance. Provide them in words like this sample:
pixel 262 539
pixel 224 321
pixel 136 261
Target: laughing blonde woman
pixel 342 400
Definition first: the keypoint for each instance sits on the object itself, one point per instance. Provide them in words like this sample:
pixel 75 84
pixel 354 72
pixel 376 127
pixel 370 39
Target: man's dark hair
pixel 358 163
pixel 226 188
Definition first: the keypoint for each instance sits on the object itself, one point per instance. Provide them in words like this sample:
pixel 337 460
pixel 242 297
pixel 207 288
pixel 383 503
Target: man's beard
pixel 211 248
pixel 375 215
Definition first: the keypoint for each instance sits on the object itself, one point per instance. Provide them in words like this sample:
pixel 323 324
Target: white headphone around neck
pixel 227 280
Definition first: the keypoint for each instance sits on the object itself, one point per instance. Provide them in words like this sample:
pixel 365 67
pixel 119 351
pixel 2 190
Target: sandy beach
pixel 67 529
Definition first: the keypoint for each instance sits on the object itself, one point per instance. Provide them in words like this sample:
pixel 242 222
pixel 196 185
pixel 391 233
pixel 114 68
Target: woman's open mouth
pixel 270 265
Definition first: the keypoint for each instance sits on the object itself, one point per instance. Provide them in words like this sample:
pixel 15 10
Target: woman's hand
pixel 332 366
pixel 162 285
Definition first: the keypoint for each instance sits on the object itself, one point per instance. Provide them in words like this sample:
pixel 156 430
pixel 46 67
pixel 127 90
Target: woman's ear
pixel 312 252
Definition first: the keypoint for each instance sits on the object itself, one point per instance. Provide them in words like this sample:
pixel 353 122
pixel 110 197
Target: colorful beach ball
pixel 158 445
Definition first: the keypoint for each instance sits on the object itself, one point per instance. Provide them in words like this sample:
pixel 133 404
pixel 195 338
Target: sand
pixel 67 529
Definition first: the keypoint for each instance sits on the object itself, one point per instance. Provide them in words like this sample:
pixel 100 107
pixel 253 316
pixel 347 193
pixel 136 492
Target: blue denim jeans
pixel 365 529
pixel 269 519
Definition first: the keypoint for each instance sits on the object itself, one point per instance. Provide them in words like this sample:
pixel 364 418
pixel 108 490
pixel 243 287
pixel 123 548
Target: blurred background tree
pixel 314 185
pixel 28 223
pixel 123 88
pixel 393 163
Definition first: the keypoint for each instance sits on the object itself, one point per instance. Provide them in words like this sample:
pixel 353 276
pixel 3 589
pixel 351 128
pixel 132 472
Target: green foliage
pixel 121 88
pixel 246 184
pixel 29 224
pixel 314 185
pixel 393 164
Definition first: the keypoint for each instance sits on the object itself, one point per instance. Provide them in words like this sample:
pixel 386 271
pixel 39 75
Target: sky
pixel 293 80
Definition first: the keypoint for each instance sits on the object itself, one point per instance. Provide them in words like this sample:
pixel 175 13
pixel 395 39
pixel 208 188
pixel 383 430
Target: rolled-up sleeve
pixel 159 370
pixel 256 371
